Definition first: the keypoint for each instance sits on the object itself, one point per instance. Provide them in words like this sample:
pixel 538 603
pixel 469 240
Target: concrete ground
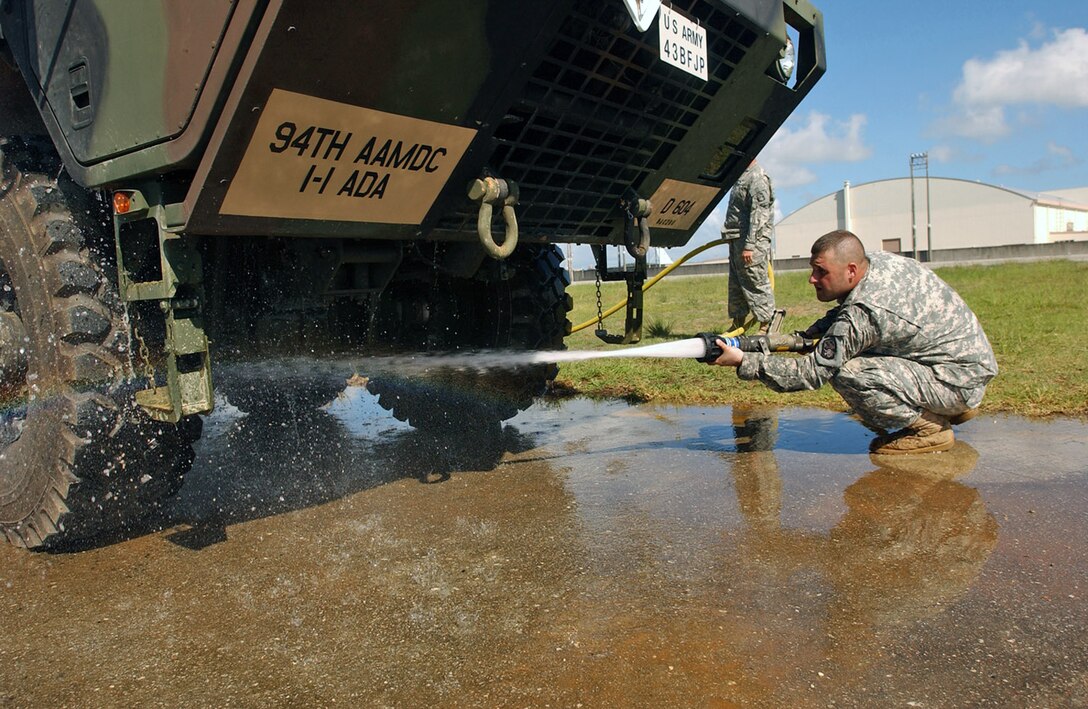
pixel 599 555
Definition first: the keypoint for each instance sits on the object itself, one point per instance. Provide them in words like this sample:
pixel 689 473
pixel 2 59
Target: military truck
pixel 187 183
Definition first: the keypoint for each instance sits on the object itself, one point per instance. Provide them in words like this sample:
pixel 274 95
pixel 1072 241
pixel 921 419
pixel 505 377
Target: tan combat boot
pixel 929 433
pixel 964 417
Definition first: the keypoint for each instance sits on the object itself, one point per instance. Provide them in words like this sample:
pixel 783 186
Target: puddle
pixel 598 554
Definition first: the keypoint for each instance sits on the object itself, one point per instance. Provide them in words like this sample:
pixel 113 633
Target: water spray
pixel 702 348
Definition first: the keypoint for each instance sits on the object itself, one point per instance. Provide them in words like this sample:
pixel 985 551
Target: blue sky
pixel 993 91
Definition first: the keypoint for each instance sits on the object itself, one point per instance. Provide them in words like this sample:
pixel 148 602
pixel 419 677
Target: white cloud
pixel 819 139
pixel 786 176
pixel 986 123
pixel 1061 151
pixel 942 153
pixel 1053 74
pixel 1038 30
pixel 1057 157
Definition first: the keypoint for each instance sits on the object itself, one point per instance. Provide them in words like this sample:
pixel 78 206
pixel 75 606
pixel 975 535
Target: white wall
pixel 1062 224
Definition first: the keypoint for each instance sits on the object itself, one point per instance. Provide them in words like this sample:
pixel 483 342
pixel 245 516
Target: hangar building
pixel 962 214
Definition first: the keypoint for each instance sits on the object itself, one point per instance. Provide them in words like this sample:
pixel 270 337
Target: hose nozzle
pixel 754 343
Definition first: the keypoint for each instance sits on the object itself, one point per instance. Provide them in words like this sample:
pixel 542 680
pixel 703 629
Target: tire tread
pixel 79 489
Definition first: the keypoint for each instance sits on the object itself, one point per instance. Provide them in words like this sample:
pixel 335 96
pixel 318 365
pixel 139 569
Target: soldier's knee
pixel 854 369
pixel 854 375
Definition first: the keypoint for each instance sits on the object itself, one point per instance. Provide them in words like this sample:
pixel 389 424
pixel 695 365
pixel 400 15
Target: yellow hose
pixel 650 283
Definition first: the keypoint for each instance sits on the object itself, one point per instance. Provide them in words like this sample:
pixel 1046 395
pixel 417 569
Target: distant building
pixel 961 214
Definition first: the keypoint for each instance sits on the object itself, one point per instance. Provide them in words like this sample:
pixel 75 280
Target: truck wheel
pixel 77 457
pixel 527 311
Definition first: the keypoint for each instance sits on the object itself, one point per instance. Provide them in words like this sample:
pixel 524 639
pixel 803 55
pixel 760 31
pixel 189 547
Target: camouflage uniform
pixel 901 342
pixel 751 213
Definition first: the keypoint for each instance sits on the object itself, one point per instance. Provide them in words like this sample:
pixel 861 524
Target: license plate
pixel 683 42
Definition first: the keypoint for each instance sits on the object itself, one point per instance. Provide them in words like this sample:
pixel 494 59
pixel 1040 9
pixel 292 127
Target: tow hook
pixel 637 212
pixel 489 191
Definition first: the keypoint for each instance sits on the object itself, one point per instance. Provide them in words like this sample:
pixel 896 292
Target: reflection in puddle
pixel 701 571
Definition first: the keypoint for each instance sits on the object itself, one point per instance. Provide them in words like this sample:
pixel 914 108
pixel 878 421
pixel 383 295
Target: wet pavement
pixel 599 555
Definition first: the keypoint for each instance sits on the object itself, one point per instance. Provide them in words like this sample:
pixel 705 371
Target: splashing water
pixel 510 359
pixel 478 360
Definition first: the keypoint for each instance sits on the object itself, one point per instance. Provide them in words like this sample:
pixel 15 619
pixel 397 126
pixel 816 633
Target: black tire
pixel 78 457
pixel 526 311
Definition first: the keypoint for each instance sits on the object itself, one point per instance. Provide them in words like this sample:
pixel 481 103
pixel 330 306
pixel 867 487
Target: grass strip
pixel 1035 314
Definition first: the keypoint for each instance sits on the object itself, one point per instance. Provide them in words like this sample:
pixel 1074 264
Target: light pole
pixel 920 161
pixel 929 219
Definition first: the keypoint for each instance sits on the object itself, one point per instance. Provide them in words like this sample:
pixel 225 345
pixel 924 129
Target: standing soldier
pixel 749 223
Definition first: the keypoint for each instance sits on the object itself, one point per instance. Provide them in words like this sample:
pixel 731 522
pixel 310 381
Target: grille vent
pixel 600 113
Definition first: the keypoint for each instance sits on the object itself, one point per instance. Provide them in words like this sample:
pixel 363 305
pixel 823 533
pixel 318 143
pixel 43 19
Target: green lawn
pixel 1035 314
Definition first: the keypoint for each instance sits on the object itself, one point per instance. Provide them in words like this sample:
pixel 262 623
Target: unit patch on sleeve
pixel 828 352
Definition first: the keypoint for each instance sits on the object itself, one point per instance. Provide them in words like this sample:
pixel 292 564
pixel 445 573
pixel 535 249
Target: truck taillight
pixel 121 202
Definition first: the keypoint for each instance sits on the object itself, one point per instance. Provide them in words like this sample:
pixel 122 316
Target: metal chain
pixel 600 317
pixel 149 371
pixel 145 356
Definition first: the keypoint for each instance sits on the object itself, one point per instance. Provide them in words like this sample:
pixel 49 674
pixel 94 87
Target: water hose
pixel 650 283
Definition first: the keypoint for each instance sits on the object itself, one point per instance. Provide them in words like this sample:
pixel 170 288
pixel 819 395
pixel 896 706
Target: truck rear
pixel 196 182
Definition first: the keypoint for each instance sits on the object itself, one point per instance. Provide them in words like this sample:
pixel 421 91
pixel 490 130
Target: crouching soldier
pixel 901 347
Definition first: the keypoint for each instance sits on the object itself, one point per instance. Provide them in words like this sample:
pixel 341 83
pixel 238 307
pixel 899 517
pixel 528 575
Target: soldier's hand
pixel 747 255
pixel 730 357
